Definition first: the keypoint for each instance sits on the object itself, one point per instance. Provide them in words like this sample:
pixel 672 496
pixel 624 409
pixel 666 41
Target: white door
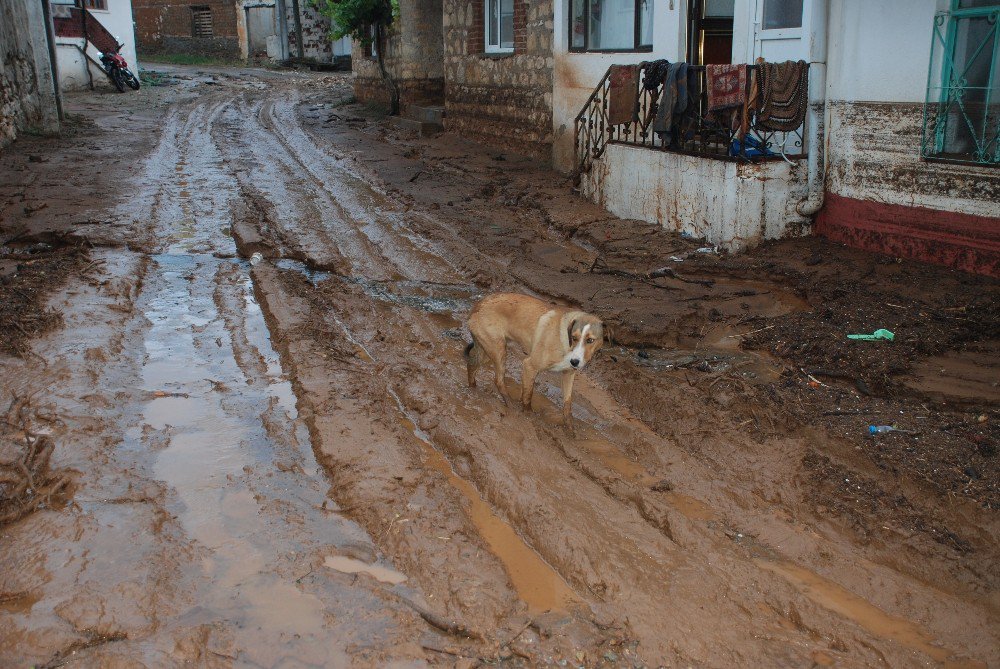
pixel 779 30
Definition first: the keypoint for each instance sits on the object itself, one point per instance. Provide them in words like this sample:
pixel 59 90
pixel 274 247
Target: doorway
pixel 710 31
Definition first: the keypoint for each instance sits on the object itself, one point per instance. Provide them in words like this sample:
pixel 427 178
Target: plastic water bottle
pixel 879 429
pixel 256 258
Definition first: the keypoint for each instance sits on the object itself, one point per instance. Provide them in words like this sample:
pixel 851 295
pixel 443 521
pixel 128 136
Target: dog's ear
pixel 608 337
pixel 569 331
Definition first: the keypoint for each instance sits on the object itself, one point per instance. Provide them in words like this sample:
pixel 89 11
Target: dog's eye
pixel 590 340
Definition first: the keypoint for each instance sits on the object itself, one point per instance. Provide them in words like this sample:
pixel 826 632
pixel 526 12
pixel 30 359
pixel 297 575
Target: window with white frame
pixel 611 25
pixel 499 26
pixel 101 5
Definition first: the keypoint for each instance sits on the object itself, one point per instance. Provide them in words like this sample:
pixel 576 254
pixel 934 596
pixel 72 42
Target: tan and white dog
pixel 552 338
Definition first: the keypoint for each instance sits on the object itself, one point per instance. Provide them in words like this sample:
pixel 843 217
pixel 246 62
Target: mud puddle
pixel 536 583
pixel 220 415
pixel 713 358
pixel 429 296
pixel 843 602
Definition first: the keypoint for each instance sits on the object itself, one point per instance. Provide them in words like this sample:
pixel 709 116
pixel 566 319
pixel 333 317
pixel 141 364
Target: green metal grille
pixel 962 110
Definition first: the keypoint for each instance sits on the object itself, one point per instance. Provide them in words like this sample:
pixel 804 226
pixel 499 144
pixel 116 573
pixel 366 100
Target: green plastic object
pixel 878 334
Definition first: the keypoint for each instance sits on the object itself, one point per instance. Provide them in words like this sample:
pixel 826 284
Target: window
pixel 611 25
pixel 780 14
pixel 201 22
pixel 962 111
pixel 96 4
pixel 499 26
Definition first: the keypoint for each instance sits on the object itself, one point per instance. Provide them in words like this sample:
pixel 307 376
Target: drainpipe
pixel 818 33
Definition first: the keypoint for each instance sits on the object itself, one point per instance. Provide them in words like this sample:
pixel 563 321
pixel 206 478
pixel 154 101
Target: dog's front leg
pixel 528 374
pixel 567 393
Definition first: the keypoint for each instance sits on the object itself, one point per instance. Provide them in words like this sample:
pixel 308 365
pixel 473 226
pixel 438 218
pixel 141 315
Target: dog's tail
pixel 473 354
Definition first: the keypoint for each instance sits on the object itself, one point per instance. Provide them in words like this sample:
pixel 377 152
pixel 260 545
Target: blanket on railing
pixel 727 86
pixel 784 95
pixel 623 87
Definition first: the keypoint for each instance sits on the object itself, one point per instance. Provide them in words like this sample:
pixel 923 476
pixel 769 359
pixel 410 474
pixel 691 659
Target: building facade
pixel 898 150
pixel 77 59
pixel 213 28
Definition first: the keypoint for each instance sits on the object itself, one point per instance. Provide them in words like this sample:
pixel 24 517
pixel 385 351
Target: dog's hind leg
pixel 528 374
pixel 497 352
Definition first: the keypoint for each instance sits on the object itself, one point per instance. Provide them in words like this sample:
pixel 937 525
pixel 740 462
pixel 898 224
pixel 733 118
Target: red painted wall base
pixel 963 241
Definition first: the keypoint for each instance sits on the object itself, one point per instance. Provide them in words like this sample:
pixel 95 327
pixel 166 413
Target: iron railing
pixel 700 133
pixel 962 110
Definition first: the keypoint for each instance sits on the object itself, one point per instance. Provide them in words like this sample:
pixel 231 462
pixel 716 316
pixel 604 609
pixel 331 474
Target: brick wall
pixel 165 26
pixel 500 99
pixel 413 56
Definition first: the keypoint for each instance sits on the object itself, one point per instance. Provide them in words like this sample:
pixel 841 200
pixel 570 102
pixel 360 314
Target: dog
pixel 552 338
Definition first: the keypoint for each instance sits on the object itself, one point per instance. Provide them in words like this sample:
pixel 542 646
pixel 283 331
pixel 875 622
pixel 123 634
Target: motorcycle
pixel 117 70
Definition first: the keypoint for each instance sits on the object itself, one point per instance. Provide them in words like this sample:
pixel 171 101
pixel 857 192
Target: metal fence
pixel 698 131
pixel 962 109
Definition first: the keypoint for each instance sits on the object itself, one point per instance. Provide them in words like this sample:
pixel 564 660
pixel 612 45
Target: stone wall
pixel 500 99
pixel 27 91
pixel 413 56
pixel 166 26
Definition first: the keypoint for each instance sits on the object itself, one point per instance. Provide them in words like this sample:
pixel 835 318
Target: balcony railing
pixel 698 131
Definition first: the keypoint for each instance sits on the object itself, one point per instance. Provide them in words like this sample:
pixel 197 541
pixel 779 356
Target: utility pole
pixel 298 29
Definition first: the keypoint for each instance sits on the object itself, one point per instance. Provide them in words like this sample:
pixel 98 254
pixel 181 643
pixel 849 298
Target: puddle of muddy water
pixel 536 583
pixel 236 457
pixel 841 601
pixel 347 565
pixel 428 296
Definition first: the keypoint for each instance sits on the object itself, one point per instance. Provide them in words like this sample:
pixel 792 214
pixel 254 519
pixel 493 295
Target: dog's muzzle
pixel 575 362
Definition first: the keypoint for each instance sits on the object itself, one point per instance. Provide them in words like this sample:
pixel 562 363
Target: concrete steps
pixel 424 120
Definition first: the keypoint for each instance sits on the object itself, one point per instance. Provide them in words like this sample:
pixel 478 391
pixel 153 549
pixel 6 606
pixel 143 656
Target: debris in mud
pixel 26 480
pixel 29 273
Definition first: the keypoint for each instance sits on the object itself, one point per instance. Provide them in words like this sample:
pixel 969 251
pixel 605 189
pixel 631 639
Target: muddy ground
pixel 280 464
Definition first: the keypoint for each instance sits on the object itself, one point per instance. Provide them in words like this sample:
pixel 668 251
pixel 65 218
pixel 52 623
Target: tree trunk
pixel 380 40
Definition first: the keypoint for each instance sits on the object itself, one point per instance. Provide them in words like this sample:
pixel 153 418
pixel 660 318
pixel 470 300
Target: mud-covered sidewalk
pixel 279 463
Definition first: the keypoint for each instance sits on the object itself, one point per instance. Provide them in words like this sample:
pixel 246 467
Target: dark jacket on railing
pixel 680 92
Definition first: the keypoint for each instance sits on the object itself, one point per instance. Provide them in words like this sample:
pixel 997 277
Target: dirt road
pixel 280 464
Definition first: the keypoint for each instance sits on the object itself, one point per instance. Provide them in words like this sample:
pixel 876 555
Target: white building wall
pixel 72 64
pixel 576 75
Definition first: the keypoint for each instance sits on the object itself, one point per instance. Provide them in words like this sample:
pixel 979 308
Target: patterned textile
pixel 727 86
pixel 622 93
pixel 785 95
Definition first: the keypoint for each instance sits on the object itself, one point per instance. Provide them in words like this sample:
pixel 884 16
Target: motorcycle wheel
pixel 118 79
pixel 131 80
